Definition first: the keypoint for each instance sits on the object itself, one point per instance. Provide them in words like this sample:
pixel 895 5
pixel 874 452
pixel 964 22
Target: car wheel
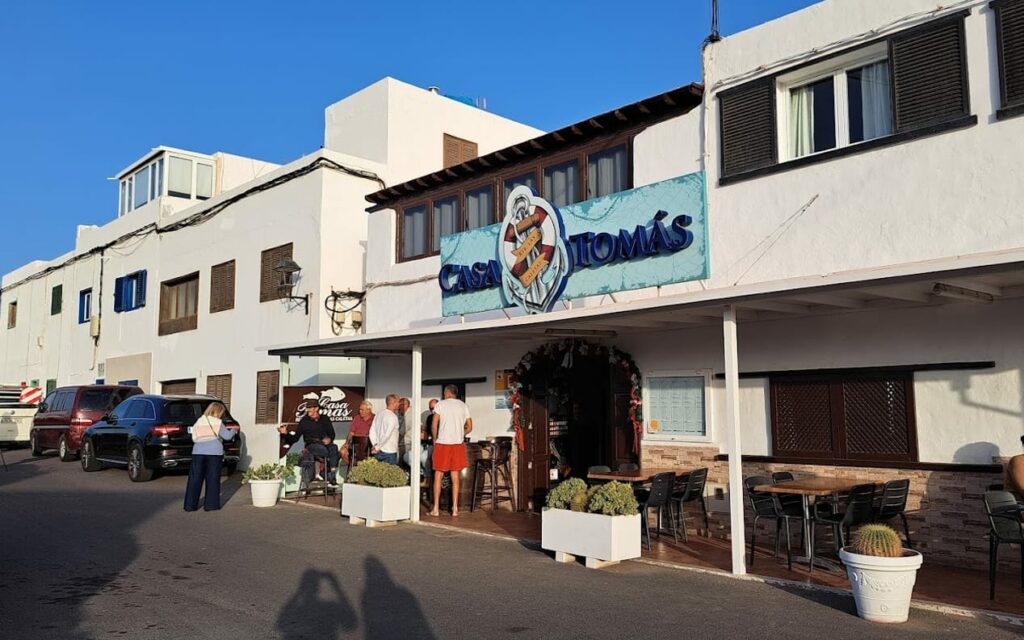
pixel 137 471
pixel 34 443
pixel 64 451
pixel 88 459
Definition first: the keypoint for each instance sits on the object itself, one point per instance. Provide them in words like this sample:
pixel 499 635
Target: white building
pixel 179 289
pixel 861 232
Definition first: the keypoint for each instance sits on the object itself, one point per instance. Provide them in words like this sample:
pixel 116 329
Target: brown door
pixel 534 461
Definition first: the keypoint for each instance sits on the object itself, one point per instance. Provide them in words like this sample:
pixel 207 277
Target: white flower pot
pixel 601 539
pixel 375 506
pixel 882 586
pixel 265 492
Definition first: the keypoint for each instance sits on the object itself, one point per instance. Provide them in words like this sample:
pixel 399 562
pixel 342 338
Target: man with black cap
pixel 317 434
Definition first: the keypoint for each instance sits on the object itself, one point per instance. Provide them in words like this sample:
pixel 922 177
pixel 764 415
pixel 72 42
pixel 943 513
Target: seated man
pixel 1014 480
pixel 317 434
pixel 360 429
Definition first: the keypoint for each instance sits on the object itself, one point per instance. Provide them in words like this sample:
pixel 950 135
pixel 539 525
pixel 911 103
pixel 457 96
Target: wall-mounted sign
pixel 540 254
pixel 340 404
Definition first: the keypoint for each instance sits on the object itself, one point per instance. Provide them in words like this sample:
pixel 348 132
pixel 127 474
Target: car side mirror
pixel 42 408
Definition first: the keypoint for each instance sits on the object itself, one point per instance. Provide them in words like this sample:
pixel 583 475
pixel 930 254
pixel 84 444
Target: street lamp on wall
pixel 288 274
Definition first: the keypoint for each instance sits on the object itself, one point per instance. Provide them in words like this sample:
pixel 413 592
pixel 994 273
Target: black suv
pixel 150 432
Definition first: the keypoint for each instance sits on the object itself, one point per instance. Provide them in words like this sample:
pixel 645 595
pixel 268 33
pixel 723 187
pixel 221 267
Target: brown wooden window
pixel 266 396
pixel 1010 47
pixel 445 219
pixel 222 287
pixel 219 386
pixel 480 207
pixel 858 417
pixel 525 179
pixel 12 314
pixel 179 303
pixel 561 185
pixel 179 387
pixel 457 150
pixel 607 172
pixel 270 280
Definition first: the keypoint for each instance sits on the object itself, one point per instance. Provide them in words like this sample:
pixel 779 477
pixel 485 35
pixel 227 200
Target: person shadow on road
pixel 389 609
pixel 319 609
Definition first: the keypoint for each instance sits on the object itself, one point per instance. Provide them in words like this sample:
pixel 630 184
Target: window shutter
pixel 457 150
pixel 179 387
pixel 468 151
pixel 219 386
pixel 747 119
pixel 929 73
pixel 56 299
pixel 802 419
pixel 268 277
pixel 878 418
pixel 266 396
pixel 140 289
pixel 222 287
pixel 1010 45
pixel 119 294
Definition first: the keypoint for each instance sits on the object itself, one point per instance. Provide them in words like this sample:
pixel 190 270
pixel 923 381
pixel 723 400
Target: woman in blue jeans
pixel 208 434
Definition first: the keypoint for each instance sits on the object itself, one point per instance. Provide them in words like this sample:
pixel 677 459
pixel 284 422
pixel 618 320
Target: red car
pixel 66 412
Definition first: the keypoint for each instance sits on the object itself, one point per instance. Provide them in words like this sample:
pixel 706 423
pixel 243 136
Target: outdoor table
pixel 643 475
pixel 814 487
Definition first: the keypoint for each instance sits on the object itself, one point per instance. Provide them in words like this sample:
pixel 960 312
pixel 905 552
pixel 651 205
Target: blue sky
pixel 89 87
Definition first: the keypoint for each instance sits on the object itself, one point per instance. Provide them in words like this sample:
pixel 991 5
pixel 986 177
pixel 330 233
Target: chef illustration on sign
pixel 533 249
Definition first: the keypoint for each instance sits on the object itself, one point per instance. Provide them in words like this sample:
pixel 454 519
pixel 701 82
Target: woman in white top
pixel 208 435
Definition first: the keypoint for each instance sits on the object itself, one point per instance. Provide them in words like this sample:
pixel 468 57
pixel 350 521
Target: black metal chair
pixel 597 468
pixel 766 505
pixel 792 503
pixel 691 489
pixel 628 466
pixel 659 497
pixel 314 478
pixel 892 502
pixel 496 469
pixel 1005 527
pixel 859 510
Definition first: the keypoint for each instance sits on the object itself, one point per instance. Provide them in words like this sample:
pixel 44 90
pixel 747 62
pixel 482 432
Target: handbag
pixel 209 436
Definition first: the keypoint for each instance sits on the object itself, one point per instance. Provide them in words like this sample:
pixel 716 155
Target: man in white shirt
pixel 451 423
pixel 384 431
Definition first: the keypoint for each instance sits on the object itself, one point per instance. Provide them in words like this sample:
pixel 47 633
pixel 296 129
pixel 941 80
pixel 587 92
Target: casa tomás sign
pixel 540 254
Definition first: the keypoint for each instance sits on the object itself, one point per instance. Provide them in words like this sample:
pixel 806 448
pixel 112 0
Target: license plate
pixel 190 430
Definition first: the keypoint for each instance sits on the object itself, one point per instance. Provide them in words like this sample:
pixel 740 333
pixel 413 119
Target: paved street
pixel 95 556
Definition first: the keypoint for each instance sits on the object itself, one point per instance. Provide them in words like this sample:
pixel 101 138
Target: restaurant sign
pixel 540 254
pixel 339 404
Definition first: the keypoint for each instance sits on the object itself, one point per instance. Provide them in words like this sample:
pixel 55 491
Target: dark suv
pixel 66 412
pixel 150 432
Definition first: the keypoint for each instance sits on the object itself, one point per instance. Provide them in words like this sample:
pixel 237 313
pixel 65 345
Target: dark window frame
pixel 56 299
pixel 84 305
pixel 269 412
pixel 270 289
pixel 497 180
pixel 222 294
pixel 168 325
pixel 12 314
pixel 1007 108
pixel 836 382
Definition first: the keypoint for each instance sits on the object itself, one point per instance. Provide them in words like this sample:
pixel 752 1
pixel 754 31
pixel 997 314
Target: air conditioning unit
pixel 94 326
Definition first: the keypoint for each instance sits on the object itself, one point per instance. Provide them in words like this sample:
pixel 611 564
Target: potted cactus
pixel 376 493
pixel 601 523
pixel 882 573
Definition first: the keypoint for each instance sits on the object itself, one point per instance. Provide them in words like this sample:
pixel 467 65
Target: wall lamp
pixel 961 293
pixel 288 272
pixel 579 333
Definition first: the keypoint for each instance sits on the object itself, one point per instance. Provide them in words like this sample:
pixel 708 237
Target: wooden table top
pixel 643 475
pixel 815 486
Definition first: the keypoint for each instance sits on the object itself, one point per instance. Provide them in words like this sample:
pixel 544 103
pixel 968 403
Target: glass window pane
pixel 179 180
pixel 445 220
pixel 204 181
pixel 606 172
pixel 479 207
pixel 562 183
pixel 812 118
pixel 141 187
pixel 414 232
pixel 124 197
pixel 528 179
pixel 159 178
pixel 870 103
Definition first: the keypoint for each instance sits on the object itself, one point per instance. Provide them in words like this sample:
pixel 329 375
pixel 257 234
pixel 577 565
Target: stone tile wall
pixel 944 509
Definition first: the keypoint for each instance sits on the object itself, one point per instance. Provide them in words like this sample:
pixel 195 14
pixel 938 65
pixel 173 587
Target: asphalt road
pixel 95 556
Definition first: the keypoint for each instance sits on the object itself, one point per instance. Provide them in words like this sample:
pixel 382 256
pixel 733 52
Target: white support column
pixel 732 421
pixel 414 433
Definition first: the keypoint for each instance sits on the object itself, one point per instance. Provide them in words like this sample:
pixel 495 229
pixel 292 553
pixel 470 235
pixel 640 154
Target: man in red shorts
pixel 451 424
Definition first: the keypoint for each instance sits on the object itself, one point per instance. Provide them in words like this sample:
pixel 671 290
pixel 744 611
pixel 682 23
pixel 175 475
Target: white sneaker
pixel 318 477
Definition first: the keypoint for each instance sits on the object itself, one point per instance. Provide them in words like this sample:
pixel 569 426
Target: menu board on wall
pixel 676 406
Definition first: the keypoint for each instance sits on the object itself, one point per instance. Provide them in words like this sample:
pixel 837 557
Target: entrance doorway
pixel 576 402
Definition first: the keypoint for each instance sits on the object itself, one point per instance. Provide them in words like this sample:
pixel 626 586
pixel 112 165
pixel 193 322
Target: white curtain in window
pixel 446 220
pixel 179 182
pixel 561 184
pixel 606 172
pixel 875 100
pixel 414 232
pixel 204 180
pixel 479 206
pixel 141 188
pixel 801 122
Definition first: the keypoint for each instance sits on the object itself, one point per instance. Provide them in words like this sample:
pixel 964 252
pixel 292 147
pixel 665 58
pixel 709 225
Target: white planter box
pixel 264 492
pixel 882 586
pixel 603 540
pixel 375 506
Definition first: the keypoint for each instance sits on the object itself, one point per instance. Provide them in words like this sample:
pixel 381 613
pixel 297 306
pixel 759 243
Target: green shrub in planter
pixel 612 499
pixel 570 494
pixel 268 471
pixel 375 473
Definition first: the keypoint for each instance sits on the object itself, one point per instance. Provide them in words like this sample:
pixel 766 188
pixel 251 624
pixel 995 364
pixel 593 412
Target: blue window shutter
pixel 119 295
pixel 140 289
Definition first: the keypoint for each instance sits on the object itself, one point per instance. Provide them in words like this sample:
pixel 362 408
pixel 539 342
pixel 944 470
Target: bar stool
pixel 497 463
